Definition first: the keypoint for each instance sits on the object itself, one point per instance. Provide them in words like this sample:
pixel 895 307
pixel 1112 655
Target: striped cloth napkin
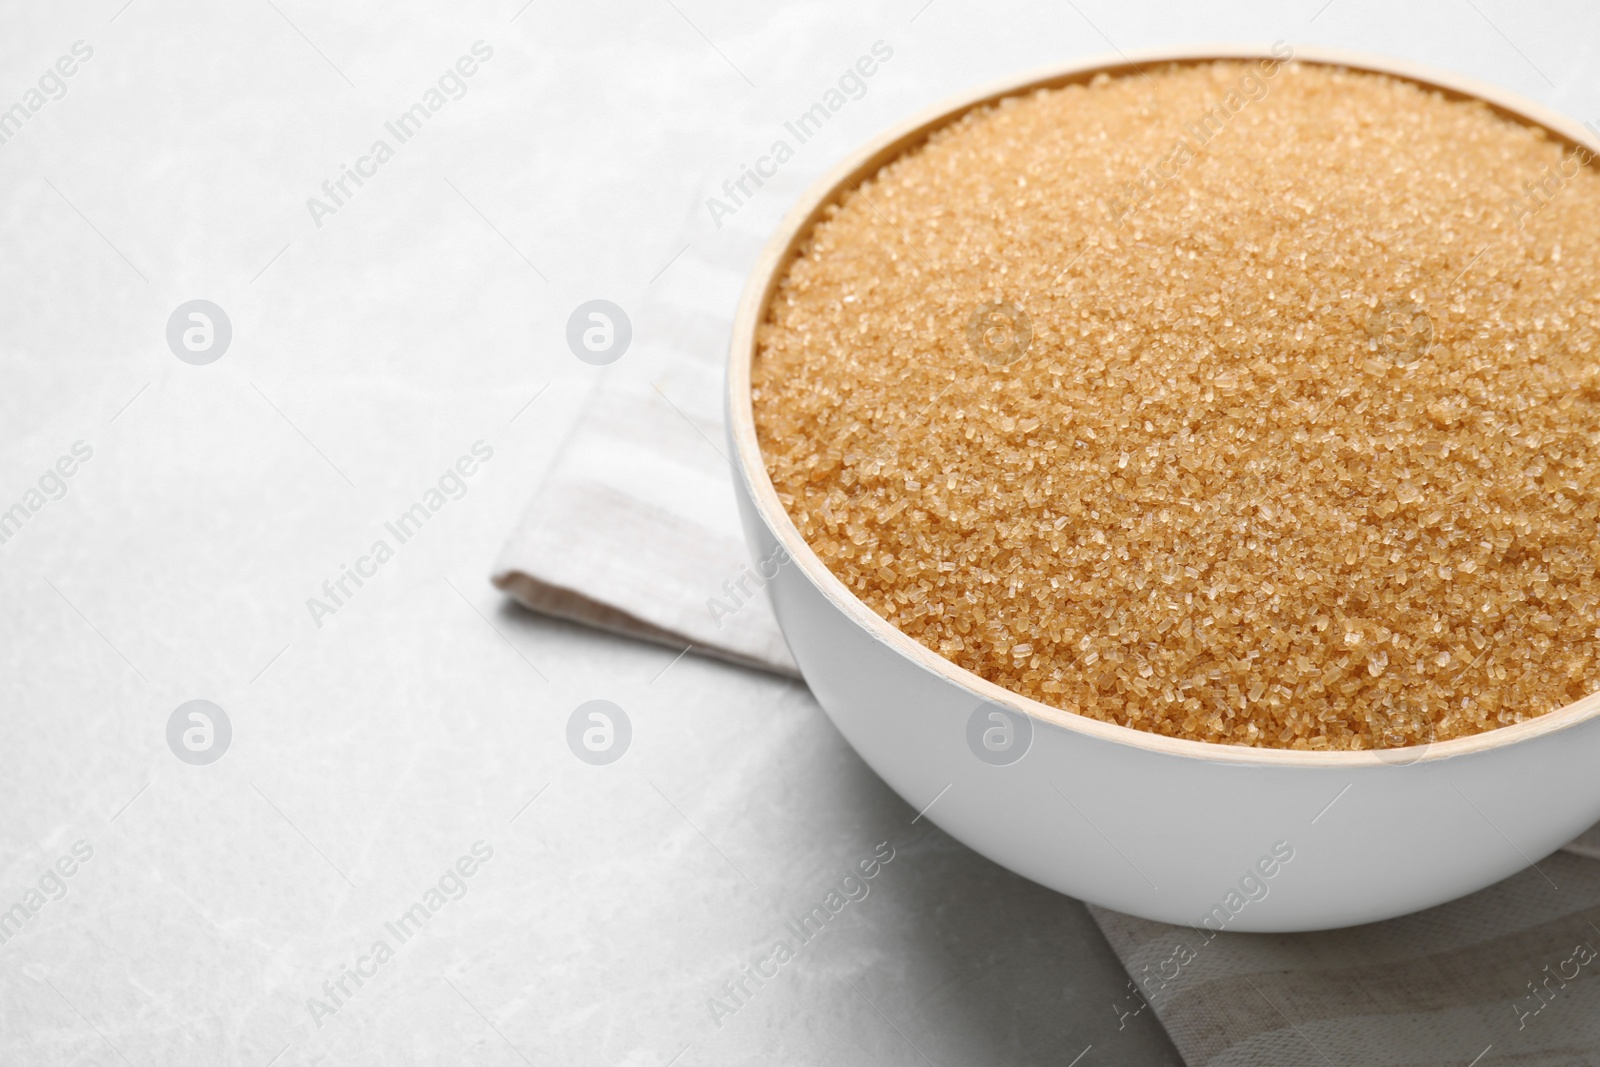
pixel 635 531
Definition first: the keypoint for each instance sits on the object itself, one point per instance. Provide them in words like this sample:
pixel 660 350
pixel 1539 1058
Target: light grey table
pixel 224 911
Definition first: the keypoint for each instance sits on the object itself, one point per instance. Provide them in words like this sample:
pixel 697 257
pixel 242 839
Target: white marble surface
pixel 371 752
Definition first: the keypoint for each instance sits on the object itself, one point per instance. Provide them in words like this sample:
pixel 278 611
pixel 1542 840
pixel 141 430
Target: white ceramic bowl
pixel 1182 831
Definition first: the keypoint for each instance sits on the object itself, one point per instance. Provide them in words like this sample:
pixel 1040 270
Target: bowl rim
pixel 783 246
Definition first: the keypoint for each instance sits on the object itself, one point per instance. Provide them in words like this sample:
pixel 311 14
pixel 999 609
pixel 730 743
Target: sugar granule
pixel 1291 441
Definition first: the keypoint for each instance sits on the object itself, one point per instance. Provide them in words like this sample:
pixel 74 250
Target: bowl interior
pixel 785 244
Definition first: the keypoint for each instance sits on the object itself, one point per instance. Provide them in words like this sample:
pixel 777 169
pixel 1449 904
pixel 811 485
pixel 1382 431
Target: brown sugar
pixel 1252 403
